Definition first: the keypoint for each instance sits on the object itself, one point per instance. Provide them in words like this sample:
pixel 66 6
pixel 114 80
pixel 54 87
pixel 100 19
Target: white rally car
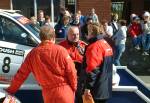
pixel 17 37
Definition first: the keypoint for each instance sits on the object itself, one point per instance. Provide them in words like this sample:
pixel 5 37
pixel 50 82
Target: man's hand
pixel 87 94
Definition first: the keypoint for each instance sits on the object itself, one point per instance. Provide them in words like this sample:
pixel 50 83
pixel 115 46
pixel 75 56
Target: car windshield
pixel 33 28
pixel 29 25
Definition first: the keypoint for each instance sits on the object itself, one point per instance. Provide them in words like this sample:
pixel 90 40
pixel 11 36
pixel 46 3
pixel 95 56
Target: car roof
pixel 16 17
pixel 10 13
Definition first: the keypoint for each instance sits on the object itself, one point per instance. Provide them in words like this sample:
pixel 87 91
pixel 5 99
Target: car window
pixel 34 29
pixel 11 32
pixel 29 25
pixel 1 31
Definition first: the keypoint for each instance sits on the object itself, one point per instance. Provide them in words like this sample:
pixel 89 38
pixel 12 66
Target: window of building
pixel 71 2
pixel 117 7
pixel 26 7
pixel 70 5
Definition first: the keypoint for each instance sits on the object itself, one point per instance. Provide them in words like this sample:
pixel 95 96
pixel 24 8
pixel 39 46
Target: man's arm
pixel 19 77
pixel 71 72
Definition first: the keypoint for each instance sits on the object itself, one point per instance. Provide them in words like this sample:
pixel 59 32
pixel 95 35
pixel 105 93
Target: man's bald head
pixel 47 33
pixel 73 34
pixel 73 29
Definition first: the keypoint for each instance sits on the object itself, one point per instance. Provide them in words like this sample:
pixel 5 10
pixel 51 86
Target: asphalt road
pixel 132 58
pixel 136 62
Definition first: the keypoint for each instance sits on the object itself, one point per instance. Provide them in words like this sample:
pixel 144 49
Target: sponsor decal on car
pixel 12 51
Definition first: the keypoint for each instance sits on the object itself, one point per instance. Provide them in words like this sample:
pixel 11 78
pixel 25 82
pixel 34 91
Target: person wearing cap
pixel 146 33
pixel 131 20
pixel 135 31
pixel 132 16
pixel 52 67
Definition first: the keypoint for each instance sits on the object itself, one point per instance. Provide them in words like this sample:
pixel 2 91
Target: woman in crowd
pixel 98 65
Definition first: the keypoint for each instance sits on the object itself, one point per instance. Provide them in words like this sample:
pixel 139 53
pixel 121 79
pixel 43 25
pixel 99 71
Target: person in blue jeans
pixel 146 44
pixel 120 39
pixel 119 49
pixel 146 33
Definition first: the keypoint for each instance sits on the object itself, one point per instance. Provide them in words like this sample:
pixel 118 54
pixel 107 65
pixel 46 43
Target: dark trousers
pixel 79 92
pixel 100 101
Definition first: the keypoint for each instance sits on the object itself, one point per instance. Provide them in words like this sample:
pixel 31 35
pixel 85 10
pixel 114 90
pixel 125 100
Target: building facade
pixel 103 8
pixel 5 4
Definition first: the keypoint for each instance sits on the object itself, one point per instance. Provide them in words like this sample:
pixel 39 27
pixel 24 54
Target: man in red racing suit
pixel 75 48
pixel 52 67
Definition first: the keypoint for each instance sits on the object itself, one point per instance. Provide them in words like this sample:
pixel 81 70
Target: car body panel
pixel 15 46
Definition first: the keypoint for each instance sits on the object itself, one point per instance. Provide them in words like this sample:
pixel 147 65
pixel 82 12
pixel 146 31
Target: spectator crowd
pixel 115 31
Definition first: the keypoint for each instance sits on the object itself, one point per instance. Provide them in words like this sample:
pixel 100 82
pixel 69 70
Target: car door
pixel 15 44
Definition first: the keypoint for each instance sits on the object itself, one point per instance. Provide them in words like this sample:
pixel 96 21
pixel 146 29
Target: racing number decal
pixel 6 66
pixel 7 59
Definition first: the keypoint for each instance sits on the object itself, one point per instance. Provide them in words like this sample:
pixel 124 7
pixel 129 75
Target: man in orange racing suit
pixel 75 48
pixel 52 67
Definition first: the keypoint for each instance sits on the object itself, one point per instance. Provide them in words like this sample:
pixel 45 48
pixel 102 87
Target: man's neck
pixel 51 41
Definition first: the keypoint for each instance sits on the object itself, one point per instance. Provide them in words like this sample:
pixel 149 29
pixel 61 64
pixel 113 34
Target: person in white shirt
pixel 107 29
pixel 94 16
pixel 120 39
pixel 108 33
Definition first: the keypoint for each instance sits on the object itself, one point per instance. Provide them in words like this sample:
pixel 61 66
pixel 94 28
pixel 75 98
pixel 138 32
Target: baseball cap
pixel 133 15
pixel 136 18
pixel 146 13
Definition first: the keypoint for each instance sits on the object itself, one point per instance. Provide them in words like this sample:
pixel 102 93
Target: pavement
pixel 145 79
pixel 136 62
pixel 132 58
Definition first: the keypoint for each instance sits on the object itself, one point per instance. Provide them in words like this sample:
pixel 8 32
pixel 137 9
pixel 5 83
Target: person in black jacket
pixel 114 23
pixel 84 29
pixel 62 28
pixel 98 65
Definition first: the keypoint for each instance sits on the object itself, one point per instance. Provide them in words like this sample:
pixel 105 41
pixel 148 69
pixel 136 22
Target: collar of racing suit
pixel 94 39
pixel 72 43
pixel 78 46
pixel 46 42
